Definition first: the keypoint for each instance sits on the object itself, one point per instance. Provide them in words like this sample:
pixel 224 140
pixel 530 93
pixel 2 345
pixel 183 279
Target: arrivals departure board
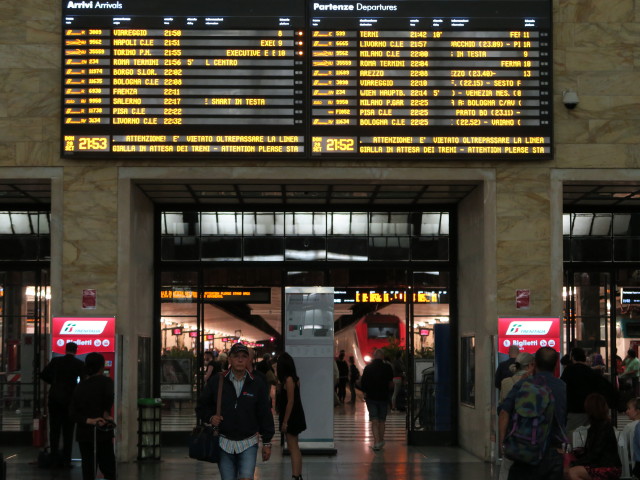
pixel 456 79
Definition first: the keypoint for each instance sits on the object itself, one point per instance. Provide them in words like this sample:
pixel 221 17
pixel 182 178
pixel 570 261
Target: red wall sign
pixel 529 334
pixel 92 334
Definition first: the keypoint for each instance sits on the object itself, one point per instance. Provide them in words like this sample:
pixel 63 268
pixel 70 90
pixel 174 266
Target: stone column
pixel 524 257
pixel 89 229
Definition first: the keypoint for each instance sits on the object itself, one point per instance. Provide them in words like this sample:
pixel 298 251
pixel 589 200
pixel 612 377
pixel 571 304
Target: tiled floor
pixel 354 459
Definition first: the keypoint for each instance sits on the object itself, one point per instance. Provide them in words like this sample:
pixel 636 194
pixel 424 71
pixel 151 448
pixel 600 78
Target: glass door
pixel 24 313
pixel 589 319
pixel 626 318
pixel 431 360
pixel 180 319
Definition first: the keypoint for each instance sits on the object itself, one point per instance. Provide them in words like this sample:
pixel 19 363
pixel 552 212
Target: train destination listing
pixel 408 78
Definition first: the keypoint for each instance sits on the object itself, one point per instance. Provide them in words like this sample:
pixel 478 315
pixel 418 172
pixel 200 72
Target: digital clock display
pixel 469 79
pixel 86 143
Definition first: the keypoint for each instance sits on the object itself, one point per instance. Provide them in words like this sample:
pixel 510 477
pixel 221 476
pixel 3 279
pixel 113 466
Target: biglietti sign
pixel 528 333
pixel 91 334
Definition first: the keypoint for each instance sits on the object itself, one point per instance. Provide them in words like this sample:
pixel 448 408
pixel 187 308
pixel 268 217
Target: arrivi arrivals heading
pixel 92 4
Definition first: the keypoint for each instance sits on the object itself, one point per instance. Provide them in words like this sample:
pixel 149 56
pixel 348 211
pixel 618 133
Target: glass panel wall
pixel 432 358
pixel 24 314
pixel 223 277
pixel 602 281
pixel 305 236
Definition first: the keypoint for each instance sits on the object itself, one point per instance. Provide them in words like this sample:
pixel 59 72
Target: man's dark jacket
pixel 581 380
pixel 92 399
pixel 243 416
pixel 62 374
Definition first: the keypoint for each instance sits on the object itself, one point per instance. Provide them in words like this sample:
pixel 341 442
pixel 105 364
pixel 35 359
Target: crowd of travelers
pixel 541 416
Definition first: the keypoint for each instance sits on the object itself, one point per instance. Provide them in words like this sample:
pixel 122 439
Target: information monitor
pixel 402 79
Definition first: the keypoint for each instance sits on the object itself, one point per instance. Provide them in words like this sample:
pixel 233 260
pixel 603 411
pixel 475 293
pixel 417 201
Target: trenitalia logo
pixel 93 327
pixel 529 328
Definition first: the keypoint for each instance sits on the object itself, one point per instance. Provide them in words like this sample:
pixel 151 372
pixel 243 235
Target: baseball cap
pixel 237 348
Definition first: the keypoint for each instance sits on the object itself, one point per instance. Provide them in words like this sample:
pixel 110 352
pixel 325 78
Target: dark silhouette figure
pixel 63 374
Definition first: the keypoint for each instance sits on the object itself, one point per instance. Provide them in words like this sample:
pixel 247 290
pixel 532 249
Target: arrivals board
pixel 457 79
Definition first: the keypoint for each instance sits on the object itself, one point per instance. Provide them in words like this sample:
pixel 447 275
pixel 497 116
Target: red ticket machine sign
pixel 91 334
pixel 528 333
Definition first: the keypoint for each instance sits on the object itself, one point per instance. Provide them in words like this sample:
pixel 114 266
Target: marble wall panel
pixel 12 31
pixel 607 83
pixel 522 179
pixel 43 31
pixel 28 56
pixel 571 130
pixel 8 153
pixel 32 104
pixel 519 227
pixel 594 11
pixel 526 203
pixel 523 236
pixel 599 35
pixel 634 157
pixel 90 237
pixel 563 35
pixel 36 153
pixel 586 59
pixel 596 107
pixel 614 131
pixel 523 276
pixel 20 129
pixel 26 10
pixel 591 155
pixel 16 81
pixel 523 252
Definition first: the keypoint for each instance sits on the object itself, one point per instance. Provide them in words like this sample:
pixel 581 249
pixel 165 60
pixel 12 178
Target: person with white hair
pixel 503 371
pixel 523 367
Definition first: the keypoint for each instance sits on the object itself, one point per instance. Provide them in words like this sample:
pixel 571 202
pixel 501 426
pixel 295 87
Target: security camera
pixel 570 99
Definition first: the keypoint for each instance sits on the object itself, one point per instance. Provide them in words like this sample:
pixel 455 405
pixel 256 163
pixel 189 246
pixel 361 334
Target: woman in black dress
pixel 291 414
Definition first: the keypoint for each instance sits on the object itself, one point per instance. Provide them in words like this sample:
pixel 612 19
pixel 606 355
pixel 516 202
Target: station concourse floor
pixel 354 459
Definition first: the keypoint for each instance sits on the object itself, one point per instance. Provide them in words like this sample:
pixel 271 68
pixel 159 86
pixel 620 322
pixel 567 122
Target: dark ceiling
pixel 207 193
pixel 575 194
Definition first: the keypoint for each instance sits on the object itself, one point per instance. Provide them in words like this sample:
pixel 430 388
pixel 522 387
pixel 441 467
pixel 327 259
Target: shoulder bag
pixel 204 441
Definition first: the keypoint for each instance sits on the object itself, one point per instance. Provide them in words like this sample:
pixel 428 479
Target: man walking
pixel 63 374
pixel 550 468
pixel 245 415
pixel 376 382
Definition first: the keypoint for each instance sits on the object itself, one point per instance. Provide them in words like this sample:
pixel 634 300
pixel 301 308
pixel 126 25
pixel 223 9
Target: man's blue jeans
pixel 238 465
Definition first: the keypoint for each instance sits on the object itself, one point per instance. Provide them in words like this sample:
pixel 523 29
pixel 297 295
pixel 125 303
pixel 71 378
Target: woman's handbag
pixel 204 441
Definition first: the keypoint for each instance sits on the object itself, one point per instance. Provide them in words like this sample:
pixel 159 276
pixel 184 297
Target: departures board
pixel 456 79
